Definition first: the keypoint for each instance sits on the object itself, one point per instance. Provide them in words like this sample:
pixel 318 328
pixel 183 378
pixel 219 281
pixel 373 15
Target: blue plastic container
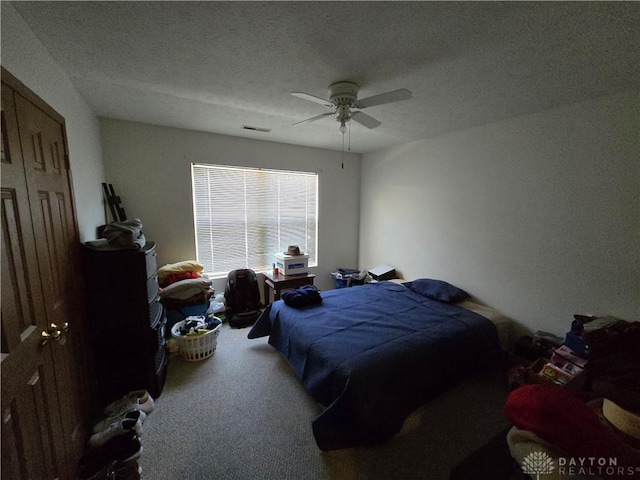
pixel 175 315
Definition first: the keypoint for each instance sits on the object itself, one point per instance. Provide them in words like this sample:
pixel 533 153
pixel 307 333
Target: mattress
pixel 501 321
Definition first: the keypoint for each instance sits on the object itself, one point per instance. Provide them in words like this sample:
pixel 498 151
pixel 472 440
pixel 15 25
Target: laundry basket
pixel 194 348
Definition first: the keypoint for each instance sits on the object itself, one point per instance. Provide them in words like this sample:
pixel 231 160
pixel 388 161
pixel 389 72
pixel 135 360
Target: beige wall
pixel 538 216
pixel 150 167
pixel 27 59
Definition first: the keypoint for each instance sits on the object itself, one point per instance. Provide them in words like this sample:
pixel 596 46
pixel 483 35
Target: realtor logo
pixel 537 463
pixel 540 463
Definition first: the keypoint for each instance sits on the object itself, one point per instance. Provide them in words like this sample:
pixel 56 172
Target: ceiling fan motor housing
pixel 343 93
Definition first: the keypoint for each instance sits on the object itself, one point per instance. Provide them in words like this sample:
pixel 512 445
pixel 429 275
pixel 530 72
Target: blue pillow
pixel 437 290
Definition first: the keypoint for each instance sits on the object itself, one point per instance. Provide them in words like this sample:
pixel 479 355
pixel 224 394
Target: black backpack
pixel 242 296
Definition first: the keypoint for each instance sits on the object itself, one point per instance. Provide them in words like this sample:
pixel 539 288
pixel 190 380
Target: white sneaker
pixel 131 414
pixel 119 427
pixel 136 400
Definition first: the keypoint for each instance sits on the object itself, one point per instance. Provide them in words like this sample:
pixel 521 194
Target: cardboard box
pixel 292 264
pixel 541 371
pixel 382 272
pixel 533 373
pixel 571 356
pixel 556 374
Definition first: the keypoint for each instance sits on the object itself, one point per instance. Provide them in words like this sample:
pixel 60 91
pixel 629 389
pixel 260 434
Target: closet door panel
pixel 54 228
pixel 43 359
pixel 32 443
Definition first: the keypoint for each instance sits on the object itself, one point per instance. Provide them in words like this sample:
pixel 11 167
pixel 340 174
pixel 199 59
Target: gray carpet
pixel 242 414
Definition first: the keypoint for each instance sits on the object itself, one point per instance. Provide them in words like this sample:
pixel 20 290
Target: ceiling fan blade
pixel 313 119
pixel 382 98
pixel 366 120
pixel 312 98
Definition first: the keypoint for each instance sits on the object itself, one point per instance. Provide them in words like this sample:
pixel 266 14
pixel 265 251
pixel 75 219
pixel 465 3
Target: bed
pixel 370 355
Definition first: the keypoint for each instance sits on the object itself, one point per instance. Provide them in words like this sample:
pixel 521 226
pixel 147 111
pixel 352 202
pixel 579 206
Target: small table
pixel 277 283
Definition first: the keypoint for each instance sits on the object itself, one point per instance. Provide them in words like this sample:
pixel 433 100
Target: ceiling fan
pixel 343 100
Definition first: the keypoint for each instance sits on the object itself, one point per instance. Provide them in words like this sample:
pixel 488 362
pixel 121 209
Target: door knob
pixel 57 332
pixel 53 333
pixel 64 328
pixel 44 337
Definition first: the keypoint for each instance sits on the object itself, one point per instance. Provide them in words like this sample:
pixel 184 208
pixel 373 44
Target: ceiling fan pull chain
pixel 342 152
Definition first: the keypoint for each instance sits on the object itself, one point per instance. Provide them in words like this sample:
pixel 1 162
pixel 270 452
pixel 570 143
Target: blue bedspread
pixel 373 354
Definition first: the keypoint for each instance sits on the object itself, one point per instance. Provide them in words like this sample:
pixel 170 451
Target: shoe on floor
pixel 135 400
pixel 132 414
pixel 119 427
pixel 119 471
pixel 121 448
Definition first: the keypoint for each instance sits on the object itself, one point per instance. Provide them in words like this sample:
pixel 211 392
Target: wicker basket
pixel 194 348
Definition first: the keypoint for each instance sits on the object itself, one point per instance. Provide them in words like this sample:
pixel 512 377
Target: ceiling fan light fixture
pixel 343 116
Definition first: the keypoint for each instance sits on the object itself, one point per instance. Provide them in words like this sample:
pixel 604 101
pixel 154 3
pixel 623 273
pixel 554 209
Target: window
pixel 245 216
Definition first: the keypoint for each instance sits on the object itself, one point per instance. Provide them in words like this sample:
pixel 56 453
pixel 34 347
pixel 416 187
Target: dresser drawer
pixel 153 288
pixel 151 259
pixel 156 312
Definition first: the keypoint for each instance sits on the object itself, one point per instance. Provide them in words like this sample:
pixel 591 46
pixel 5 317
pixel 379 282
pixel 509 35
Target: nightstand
pixel 277 283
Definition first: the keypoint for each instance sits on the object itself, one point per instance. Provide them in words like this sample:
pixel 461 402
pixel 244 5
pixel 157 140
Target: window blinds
pixel 244 216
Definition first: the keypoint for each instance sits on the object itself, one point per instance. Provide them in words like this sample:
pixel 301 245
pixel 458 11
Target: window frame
pixel 311 214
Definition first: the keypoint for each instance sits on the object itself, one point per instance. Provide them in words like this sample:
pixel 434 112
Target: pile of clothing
pixel 197 325
pixel 347 277
pixel 598 439
pixel 614 362
pixel 118 235
pixel 302 297
pixel 183 284
pixel 581 434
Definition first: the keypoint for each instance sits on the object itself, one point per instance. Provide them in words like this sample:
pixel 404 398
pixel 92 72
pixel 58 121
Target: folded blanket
pixel 302 297
pixel 127 234
pixel 184 289
pixel 179 267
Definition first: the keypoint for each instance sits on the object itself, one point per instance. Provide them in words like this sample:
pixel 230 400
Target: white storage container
pixel 292 264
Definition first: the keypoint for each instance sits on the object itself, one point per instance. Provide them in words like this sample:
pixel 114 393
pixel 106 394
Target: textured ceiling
pixel 215 66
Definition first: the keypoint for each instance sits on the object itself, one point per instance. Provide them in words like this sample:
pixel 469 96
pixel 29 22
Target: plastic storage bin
pixel 347 277
pixel 292 264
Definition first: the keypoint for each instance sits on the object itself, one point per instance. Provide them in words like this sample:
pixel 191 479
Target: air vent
pixel 256 129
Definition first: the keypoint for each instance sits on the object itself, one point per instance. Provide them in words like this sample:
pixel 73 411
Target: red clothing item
pixel 561 418
pixel 176 277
